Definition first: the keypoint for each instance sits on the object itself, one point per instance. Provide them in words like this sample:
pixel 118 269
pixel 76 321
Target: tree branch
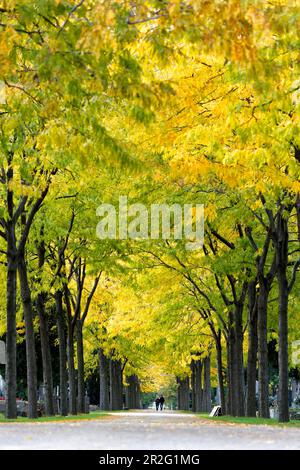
pixel 294 275
pixel 221 238
pixel 90 296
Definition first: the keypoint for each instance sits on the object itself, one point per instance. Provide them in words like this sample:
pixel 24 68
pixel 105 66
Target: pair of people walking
pixel 159 403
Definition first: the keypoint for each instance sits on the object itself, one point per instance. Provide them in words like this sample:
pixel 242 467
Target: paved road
pixel 146 430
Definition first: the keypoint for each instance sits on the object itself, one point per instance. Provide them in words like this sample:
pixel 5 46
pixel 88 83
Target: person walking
pixel 157 403
pixel 161 402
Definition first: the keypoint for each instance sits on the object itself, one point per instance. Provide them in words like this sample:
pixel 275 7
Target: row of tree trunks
pixel 45 347
pixel 80 319
pixel 30 340
pixel 133 392
pixel 277 232
pixel 216 333
pixel 234 337
pixel 183 394
pixel 110 383
pixel 15 261
pixel 77 312
pixel 66 324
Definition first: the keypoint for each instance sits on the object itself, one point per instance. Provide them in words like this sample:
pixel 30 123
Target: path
pixel 146 430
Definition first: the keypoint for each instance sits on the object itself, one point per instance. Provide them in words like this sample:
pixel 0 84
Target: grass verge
pixel 244 420
pixel 45 419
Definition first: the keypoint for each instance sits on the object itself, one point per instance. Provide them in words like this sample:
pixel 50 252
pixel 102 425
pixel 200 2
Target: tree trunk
pixel 116 385
pixel 71 370
pixel 44 336
pixel 11 294
pixel 46 355
pixel 239 336
pixel 104 380
pixel 207 386
pixel 282 263
pixel 220 371
pixel 183 394
pixel 63 382
pixel 196 385
pixel 179 396
pixel 232 368
pixel 11 335
pixel 133 392
pixel 80 365
pixel 193 386
pixel 30 341
pixel 263 375
pixel 252 352
pixel 229 404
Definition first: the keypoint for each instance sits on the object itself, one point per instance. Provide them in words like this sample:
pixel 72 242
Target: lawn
pixel 244 420
pixel 44 419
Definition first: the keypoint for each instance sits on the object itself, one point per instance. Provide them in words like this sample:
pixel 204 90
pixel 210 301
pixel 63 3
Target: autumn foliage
pixel 165 102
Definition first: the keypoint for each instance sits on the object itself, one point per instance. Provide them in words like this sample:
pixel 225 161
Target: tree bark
pixel 196 385
pixel 30 341
pixel 252 351
pixel 44 337
pixel 71 370
pixel 116 385
pixel 207 386
pixel 61 327
pixel 240 382
pixel 232 368
pixel 104 380
pixel 263 373
pixel 229 398
pixel 133 392
pixel 183 394
pixel 193 386
pixel 80 368
pixel 179 395
pixel 11 305
pixel 282 263
pixel 220 372
pixel 11 334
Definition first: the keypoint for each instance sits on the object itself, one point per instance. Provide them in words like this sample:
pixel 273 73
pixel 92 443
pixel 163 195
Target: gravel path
pixel 146 430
